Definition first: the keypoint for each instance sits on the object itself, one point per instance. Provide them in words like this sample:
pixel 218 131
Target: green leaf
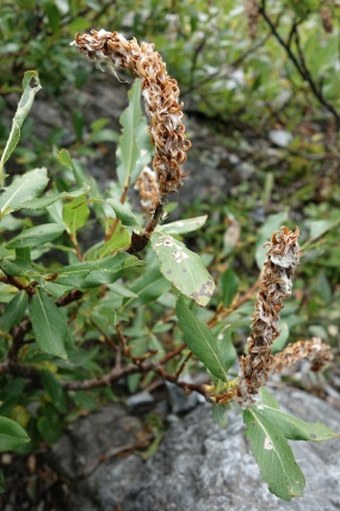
pixel 51 198
pixel 183 226
pixel 75 214
pixel 10 395
pixel 18 267
pixel 200 340
pixel 14 311
pixel 120 240
pixel 291 427
pixel 49 325
pixel 321 287
pixel 91 273
pixel 24 254
pixel 123 213
pixel 65 159
pixel 229 284
pixel 281 341
pixel 12 436
pixel 273 455
pixel 49 426
pixel 103 135
pixel 35 236
pixel 53 16
pixel 133 150
pixel 85 400
pixel 31 85
pixel 11 223
pixel 133 381
pixel 318 228
pixel 148 288
pixel 183 268
pixel 226 348
pixel 273 223
pixel 23 189
pixel 268 398
pixel 13 388
pixel 54 390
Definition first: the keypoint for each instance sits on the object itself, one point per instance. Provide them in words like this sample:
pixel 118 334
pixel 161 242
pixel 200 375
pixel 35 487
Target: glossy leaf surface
pixel 200 340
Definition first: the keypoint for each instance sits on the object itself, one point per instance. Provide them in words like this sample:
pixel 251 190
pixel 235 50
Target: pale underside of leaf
pixel 22 189
pixel 183 268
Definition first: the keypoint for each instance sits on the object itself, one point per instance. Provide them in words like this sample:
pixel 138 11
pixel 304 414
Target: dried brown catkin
pixel 160 93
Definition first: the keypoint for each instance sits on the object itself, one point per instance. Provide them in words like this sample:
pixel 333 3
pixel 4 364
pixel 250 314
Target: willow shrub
pixel 81 318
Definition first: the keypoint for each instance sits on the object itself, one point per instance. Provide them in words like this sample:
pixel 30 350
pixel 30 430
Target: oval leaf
pixel 183 268
pixel 12 435
pixel 123 213
pixel 49 325
pixel 273 455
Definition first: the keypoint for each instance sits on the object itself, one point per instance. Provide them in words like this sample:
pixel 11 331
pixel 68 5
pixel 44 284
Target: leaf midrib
pixel 262 426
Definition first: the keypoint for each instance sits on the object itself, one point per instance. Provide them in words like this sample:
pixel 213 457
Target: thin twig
pixel 101 381
pixel 299 65
pixel 141 367
pixel 139 241
pixel 70 297
pixel 12 281
pixel 172 354
pixel 183 364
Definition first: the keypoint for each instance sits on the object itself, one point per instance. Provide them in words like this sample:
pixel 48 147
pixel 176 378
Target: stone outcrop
pixel 198 466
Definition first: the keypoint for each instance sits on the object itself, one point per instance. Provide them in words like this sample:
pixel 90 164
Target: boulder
pixel 198 466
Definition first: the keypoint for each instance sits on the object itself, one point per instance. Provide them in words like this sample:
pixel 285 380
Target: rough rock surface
pixel 199 466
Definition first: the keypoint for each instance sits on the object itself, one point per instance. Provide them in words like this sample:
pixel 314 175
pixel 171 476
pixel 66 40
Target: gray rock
pixel 139 399
pixel 181 402
pixel 200 466
pixel 94 438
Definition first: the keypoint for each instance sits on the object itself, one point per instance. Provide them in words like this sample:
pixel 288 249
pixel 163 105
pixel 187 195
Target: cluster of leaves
pixel 222 71
pixel 79 319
